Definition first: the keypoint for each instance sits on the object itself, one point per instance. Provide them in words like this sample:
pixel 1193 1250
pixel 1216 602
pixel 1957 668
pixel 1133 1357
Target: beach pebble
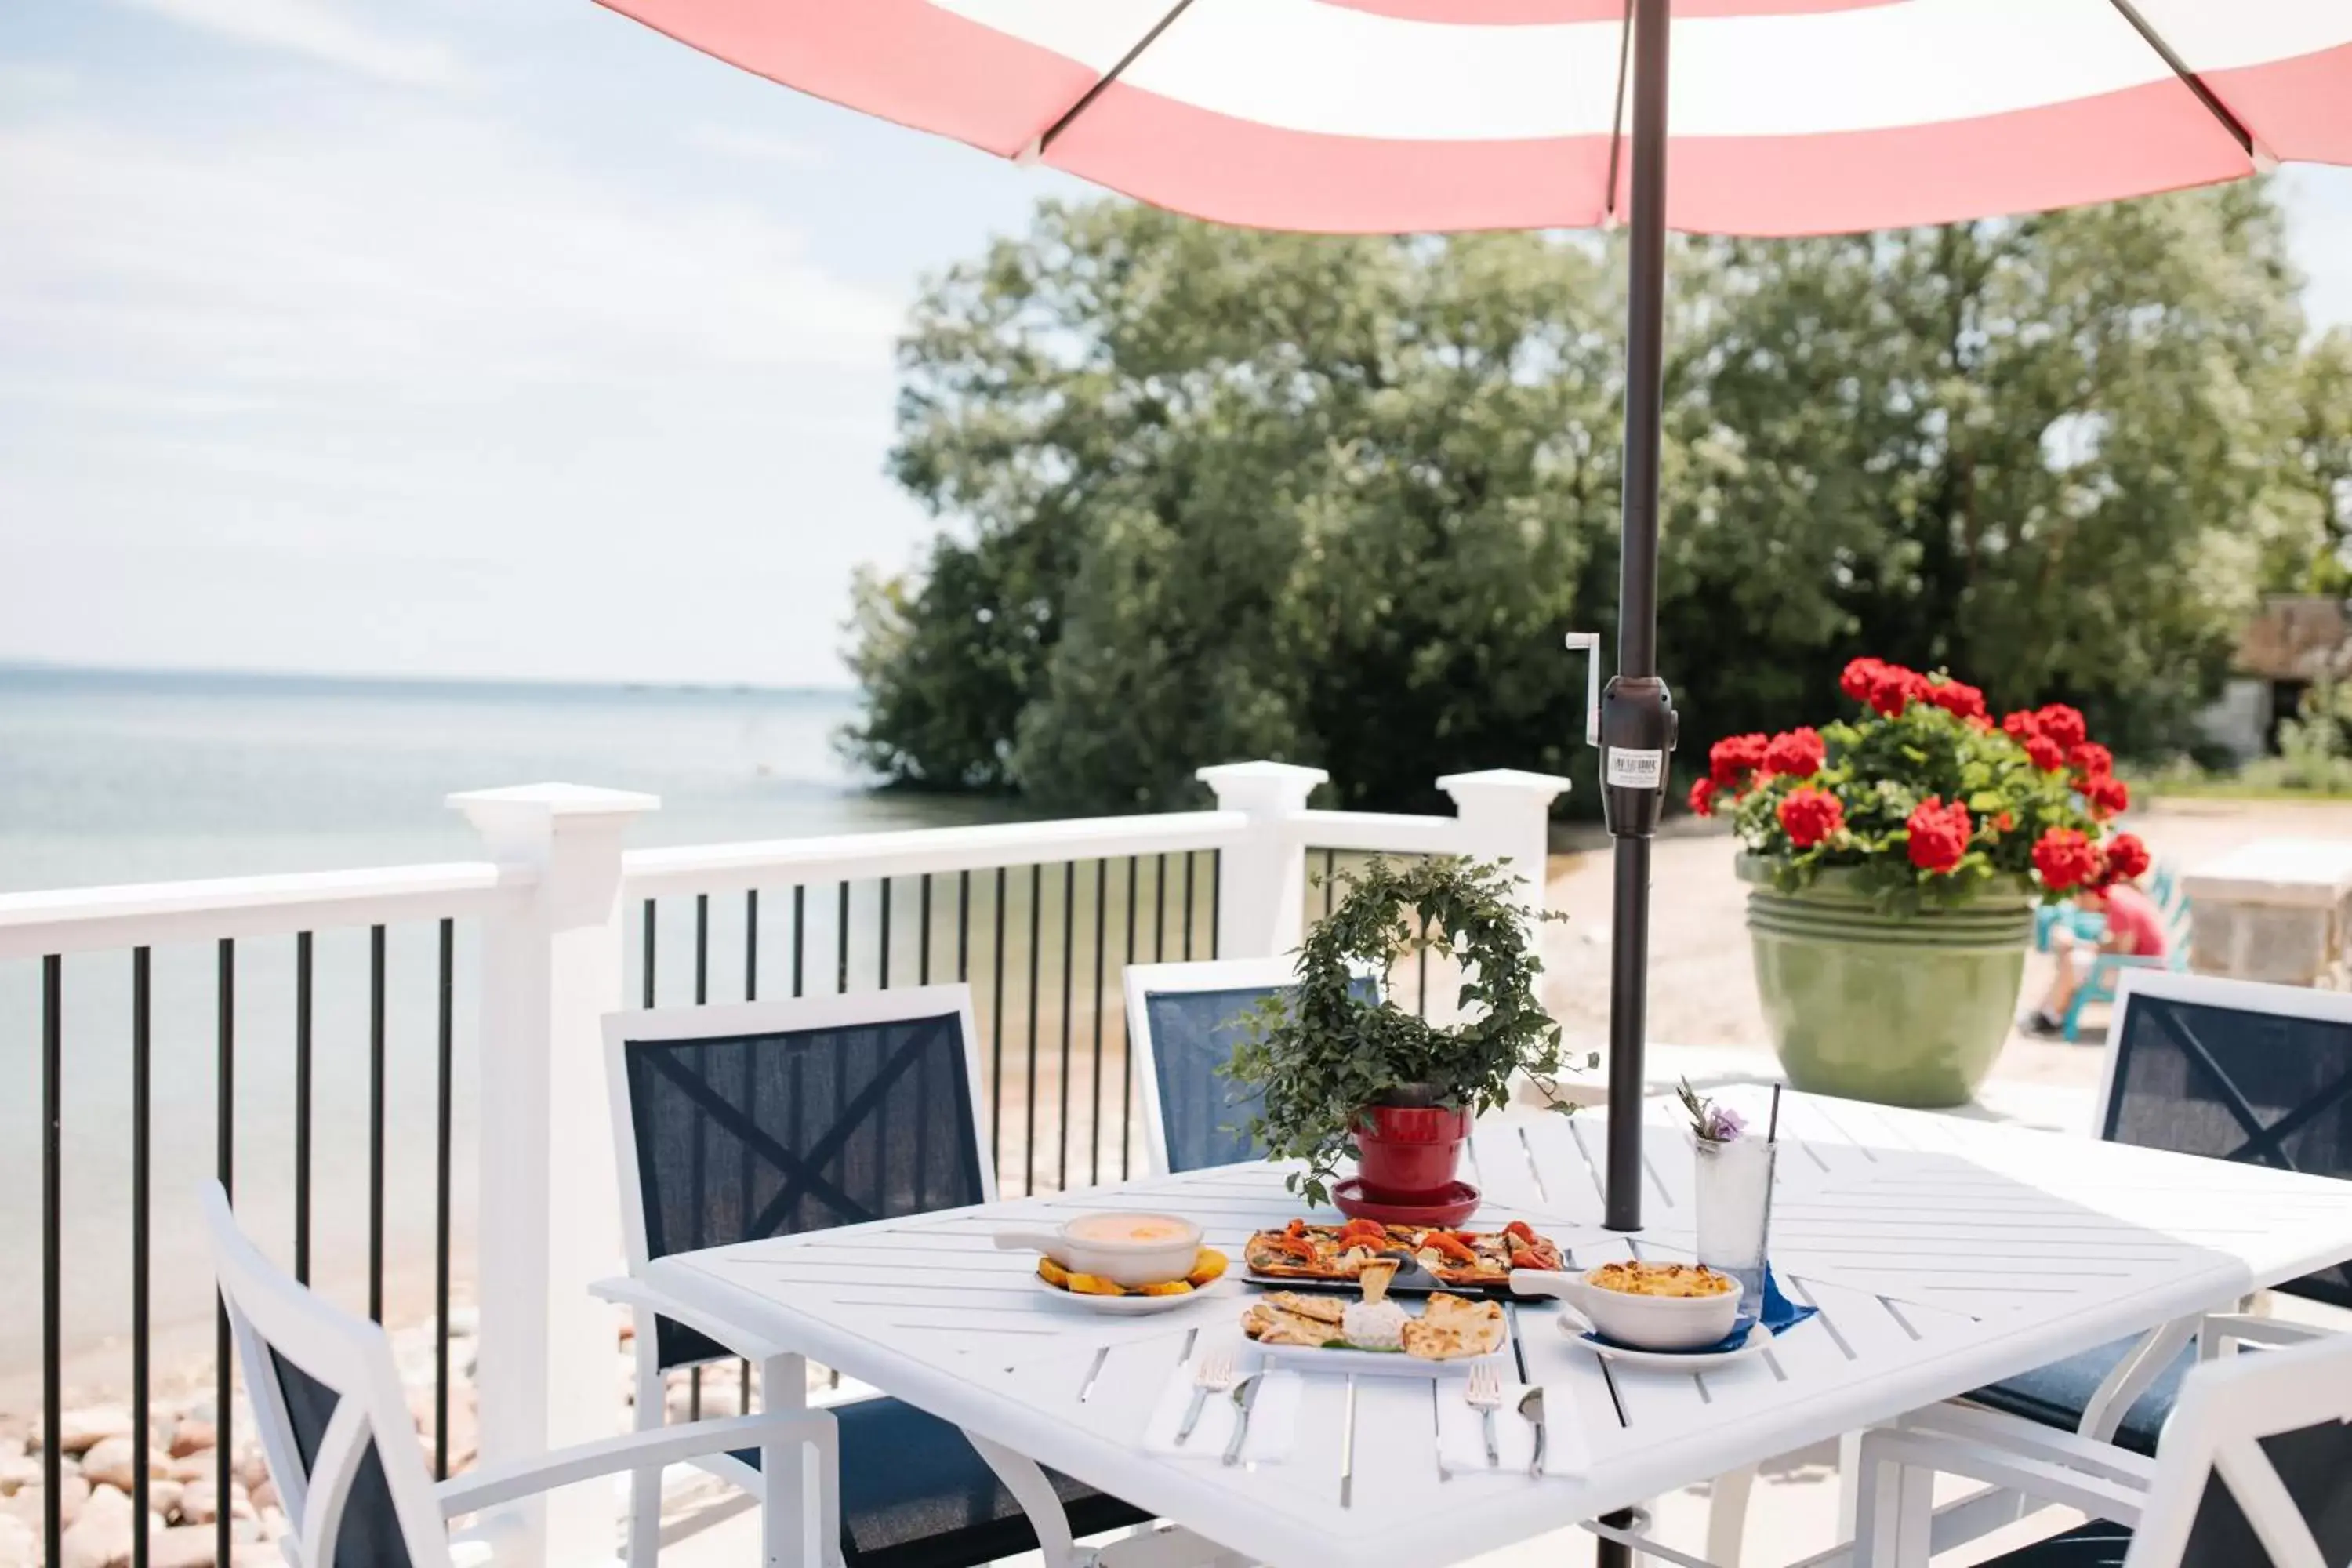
pixel 18 1470
pixel 25 1503
pixel 193 1435
pixel 183 1546
pixel 115 1463
pixel 20 1544
pixel 81 1429
pixel 103 1536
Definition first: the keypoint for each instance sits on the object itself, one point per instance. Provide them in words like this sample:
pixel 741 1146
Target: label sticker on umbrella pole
pixel 1632 769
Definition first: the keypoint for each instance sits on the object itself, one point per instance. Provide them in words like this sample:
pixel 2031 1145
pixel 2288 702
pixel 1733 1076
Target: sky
pixel 446 337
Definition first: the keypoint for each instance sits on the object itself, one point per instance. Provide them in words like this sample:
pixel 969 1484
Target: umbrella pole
pixel 1637 717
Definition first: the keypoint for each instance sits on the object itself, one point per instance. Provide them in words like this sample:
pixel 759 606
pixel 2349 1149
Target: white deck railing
pixel 551 898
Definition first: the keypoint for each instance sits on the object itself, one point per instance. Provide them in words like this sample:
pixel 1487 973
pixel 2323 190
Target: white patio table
pixel 1943 1254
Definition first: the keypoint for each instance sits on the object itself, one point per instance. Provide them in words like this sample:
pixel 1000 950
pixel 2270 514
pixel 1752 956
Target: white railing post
pixel 1262 894
pixel 550 1217
pixel 1506 814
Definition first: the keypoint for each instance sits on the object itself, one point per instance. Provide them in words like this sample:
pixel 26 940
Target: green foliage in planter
pixel 1322 1055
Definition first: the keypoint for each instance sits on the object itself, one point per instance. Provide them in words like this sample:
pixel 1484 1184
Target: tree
pixel 1216 493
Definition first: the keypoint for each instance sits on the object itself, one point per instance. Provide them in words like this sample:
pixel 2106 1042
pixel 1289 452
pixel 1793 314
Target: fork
pixel 1484 1394
pixel 1213 1373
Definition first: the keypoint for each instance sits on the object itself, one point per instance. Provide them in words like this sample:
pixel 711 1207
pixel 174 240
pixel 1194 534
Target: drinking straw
pixel 1772 1133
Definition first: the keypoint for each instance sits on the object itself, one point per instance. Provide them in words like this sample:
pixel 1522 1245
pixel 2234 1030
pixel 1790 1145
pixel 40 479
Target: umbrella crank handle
pixel 1589 645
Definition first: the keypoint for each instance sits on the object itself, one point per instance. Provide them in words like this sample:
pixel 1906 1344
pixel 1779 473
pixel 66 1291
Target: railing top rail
pixel 722 867
pixel 1389 832
pixel 148 914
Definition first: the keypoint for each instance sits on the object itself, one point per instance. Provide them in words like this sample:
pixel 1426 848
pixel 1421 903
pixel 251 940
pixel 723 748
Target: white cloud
pixel 320 31
pixel 759 146
pixel 409 392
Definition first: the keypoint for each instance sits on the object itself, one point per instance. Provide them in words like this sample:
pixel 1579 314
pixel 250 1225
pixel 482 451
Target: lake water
pixel 110 777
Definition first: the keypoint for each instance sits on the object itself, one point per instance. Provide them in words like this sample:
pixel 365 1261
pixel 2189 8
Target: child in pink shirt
pixel 2135 926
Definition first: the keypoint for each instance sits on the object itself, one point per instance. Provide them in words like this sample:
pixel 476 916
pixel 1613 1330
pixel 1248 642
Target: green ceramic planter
pixel 1900 1010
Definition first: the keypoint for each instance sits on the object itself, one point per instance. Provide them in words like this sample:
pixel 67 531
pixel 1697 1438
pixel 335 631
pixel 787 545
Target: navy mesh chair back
pixel 773 1119
pixel 370 1537
pixel 739 1136
pixel 2238 1071
pixel 1191 1025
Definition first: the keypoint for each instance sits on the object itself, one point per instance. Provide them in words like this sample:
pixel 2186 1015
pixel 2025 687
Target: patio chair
pixel 2254 1471
pixel 2233 1070
pixel 735 1123
pixel 342 1451
pixel 1183 1023
pixel 2108 969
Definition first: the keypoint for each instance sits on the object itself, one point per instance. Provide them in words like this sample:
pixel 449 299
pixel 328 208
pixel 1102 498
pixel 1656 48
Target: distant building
pixel 2296 641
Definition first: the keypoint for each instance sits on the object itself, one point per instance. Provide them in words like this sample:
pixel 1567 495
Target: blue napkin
pixel 1780 1315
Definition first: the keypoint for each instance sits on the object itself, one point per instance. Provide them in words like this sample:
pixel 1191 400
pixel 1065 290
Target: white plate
pixel 1127 1306
pixel 1373 1363
pixel 1759 1339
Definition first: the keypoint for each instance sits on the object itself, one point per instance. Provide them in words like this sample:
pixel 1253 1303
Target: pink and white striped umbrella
pixel 1379 116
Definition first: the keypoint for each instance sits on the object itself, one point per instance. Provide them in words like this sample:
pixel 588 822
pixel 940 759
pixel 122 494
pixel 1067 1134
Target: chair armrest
pixel 478 1490
pixel 1977 1458
pixel 2222 1330
pixel 1971 1424
pixel 1643 1546
pixel 625 1291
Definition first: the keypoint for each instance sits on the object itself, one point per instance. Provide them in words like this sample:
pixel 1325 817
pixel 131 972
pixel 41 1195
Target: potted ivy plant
pixel 1341 1076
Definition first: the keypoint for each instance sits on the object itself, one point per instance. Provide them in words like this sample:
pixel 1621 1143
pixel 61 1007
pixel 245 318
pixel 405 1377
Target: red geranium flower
pixel 1799 753
pixel 1701 797
pixel 1733 758
pixel 2021 724
pixel 2091 760
pixel 2127 858
pixel 1939 834
pixel 1893 688
pixel 2003 823
pixel 2066 859
pixel 2062 725
pixel 1859 677
pixel 1957 698
pixel 2045 753
pixel 2104 794
pixel 1810 814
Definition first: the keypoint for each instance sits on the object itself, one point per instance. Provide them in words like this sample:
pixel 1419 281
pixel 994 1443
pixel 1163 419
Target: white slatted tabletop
pixel 1943 1255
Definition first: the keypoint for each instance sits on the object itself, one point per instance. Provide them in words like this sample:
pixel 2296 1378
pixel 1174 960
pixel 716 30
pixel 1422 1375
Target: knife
pixel 1532 1406
pixel 1244 1396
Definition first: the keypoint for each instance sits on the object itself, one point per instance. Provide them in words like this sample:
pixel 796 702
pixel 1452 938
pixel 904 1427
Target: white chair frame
pixel 268 1310
pixel 2217 1335
pixel 784 1372
pixel 2225 1408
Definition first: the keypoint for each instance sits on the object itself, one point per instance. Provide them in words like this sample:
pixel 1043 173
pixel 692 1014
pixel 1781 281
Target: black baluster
pixel 701 949
pixel 1070 925
pixel 224 1153
pixel 1330 866
pixel 963 926
pixel 800 949
pixel 646 981
pixel 141 1108
pixel 923 943
pixel 1189 859
pixel 1094 1160
pixel 445 1053
pixel 882 978
pixel 1029 1140
pixel 1127 1043
pixel 1160 910
pixel 996 1036
pixel 52 1026
pixel 841 944
pixel 751 945
pixel 302 961
pixel 375 1122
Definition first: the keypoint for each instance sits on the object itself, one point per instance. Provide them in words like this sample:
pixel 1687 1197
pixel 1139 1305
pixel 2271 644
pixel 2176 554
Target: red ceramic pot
pixel 1407 1153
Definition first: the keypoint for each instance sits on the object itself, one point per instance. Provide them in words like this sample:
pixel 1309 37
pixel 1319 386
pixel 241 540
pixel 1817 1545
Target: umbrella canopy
pixel 1778 117
pixel 1377 116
